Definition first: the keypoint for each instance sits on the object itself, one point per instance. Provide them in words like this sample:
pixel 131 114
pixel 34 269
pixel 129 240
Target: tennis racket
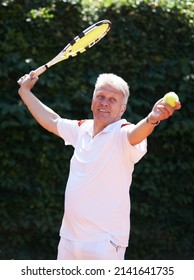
pixel 85 40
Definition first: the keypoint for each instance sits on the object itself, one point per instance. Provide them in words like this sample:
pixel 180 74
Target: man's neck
pixel 100 126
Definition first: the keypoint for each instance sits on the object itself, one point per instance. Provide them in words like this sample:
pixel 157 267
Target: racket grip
pixel 41 70
pixel 38 72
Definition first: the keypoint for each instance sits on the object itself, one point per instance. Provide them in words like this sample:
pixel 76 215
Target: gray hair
pixel 113 81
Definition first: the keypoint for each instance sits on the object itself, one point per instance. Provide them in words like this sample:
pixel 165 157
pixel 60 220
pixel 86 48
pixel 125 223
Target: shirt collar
pixel 107 129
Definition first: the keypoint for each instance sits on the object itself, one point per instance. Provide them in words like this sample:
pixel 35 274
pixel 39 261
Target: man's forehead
pixel 108 89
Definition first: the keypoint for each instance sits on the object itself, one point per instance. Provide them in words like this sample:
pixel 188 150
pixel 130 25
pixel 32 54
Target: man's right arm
pixel 45 116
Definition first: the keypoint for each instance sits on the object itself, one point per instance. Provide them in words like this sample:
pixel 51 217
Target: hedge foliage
pixel 151 47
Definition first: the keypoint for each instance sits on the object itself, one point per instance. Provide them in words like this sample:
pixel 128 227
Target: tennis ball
pixel 171 98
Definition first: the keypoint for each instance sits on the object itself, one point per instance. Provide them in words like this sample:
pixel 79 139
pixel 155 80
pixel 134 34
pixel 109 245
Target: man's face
pixel 108 105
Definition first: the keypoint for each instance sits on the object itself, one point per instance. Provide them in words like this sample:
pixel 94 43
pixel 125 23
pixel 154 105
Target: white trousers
pixel 103 250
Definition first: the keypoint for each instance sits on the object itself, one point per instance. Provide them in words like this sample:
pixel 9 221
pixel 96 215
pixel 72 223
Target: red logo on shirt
pixel 81 122
pixel 124 124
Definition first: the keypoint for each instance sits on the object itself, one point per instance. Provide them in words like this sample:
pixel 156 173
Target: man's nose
pixel 104 102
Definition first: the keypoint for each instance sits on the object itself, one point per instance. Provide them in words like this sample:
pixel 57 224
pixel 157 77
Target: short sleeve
pixel 136 152
pixel 68 131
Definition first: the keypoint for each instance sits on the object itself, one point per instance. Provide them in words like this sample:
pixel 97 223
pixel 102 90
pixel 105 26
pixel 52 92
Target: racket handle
pixel 40 70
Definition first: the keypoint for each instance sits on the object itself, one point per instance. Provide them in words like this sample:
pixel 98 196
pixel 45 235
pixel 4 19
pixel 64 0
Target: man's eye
pixel 100 97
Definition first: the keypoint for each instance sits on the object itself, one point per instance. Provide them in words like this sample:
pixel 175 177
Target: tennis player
pixel 96 222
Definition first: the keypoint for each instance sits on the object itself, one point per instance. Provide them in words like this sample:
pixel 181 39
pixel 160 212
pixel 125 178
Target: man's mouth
pixel 103 111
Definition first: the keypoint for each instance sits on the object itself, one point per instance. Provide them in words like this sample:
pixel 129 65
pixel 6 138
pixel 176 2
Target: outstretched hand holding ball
pixel 164 108
pixel 171 98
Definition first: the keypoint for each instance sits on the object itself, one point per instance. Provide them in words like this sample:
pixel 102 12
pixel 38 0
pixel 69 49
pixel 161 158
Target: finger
pixel 177 106
pixel 33 74
pixel 169 108
pixel 164 111
pixel 166 108
pixel 20 81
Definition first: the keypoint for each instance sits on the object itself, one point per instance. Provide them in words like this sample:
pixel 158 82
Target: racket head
pixel 85 40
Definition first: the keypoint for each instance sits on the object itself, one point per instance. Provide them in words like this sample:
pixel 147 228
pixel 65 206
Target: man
pixel 97 205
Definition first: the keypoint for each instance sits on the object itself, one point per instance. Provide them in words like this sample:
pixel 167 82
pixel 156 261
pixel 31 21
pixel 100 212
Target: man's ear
pixel 123 109
pixel 91 107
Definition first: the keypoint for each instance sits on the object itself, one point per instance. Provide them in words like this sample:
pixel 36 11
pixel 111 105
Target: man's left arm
pixel 145 127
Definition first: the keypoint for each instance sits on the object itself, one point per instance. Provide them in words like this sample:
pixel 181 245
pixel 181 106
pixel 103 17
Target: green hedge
pixel 151 46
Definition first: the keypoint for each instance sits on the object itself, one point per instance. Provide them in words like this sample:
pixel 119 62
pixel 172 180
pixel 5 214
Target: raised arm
pixel 145 127
pixel 45 116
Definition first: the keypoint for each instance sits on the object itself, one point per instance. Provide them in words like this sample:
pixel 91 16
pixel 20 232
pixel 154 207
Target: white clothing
pixel 97 203
pixel 76 250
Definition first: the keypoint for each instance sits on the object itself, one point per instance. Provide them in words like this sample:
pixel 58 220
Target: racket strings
pixel 82 42
pixel 88 40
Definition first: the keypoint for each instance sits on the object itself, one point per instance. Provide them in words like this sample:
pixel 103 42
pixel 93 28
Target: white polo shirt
pixel 97 203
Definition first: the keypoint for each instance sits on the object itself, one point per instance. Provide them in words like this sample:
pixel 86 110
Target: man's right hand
pixel 28 81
